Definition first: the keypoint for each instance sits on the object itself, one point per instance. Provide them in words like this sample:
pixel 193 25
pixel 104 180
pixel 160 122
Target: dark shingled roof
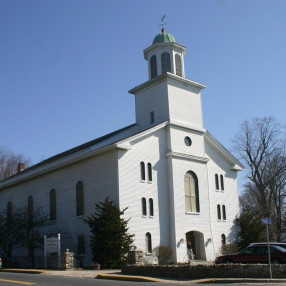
pixel 73 150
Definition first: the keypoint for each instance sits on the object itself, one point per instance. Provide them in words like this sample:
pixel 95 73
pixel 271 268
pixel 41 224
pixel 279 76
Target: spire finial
pixel 163 24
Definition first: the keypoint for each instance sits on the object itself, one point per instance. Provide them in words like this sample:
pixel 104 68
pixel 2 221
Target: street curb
pixel 23 271
pixel 126 278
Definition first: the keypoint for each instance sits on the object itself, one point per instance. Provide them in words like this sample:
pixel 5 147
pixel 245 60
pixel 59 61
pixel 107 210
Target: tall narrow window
pixel 223 212
pixel 30 210
pixel 166 62
pixel 151 208
pixel 148 242
pixel 223 239
pixel 79 199
pixel 9 214
pixel 81 244
pixel 216 182
pixel 218 212
pixel 152 117
pixel 149 167
pixel 221 182
pixel 142 169
pixel 191 192
pixel 178 62
pixel 153 64
pixel 144 207
pixel 53 205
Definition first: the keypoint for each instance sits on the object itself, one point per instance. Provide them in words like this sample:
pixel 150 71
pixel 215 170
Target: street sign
pixel 266 220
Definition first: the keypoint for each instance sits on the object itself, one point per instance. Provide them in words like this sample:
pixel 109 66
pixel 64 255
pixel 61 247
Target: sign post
pixel 267 221
pixel 51 245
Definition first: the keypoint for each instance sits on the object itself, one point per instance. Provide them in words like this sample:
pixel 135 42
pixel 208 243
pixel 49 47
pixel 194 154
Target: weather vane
pixel 162 22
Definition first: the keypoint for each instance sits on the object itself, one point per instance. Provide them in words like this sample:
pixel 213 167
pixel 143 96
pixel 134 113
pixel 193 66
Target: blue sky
pixel 66 65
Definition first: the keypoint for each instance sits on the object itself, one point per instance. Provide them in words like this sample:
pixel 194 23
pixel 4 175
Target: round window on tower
pixel 188 141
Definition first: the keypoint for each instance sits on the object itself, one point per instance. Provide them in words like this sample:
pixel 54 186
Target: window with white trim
pixel 153 66
pixel 149 168
pixel 144 206
pixel 151 207
pixel 148 242
pixel 218 212
pixel 142 171
pixel 79 199
pixel 216 182
pixel 221 183
pixel 223 212
pixel 191 193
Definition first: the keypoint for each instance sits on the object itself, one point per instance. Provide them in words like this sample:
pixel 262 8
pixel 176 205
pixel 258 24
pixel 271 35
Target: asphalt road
pixel 14 279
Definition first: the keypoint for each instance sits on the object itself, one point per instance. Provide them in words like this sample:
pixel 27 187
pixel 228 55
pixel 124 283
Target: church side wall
pixel 227 197
pixel 99 177
pixel 151 149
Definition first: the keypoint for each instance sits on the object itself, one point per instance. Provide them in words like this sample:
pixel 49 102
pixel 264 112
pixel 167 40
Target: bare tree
pixel 9 163
pixel 30 225
pixel 261 144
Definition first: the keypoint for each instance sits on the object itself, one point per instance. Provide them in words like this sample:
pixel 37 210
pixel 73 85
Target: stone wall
pixel 207 271
pixel 136 257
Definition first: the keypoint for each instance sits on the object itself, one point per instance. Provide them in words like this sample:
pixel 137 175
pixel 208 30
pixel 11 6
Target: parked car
pixel 257 253
pixel 281 244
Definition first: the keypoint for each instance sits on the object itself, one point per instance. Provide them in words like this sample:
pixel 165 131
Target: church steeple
pixel 168 96
pixel 165 55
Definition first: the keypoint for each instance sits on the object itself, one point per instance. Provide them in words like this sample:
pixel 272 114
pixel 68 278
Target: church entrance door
pixel 195 244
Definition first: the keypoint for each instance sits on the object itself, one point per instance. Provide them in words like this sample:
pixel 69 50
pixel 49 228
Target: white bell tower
pixel 165 55
pixel 168 95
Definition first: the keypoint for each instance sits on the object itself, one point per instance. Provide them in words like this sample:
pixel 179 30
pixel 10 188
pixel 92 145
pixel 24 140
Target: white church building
pixel 179 183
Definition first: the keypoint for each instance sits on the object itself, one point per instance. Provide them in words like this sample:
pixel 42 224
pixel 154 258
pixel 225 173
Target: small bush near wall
pixel 229 249
pixel 163 254
pixel 207 271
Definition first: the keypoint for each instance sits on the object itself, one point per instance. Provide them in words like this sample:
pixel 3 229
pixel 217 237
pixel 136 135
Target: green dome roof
pixel 164 38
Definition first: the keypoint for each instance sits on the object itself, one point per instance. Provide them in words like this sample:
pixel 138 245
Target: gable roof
pixel 237 165
pixel 97 144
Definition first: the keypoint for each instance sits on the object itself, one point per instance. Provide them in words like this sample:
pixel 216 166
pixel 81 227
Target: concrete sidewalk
pixel 116 275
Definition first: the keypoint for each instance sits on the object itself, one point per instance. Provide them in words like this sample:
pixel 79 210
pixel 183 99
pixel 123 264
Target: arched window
pixel 223 212
pixel 216 182
pixel 153 65
pixel 166 62
pixel 53 205
pixel 148 242
pixel 144 207
pixel 149 167
pixel 218 212
pixel 223 239
pixel 9 214
pixel 191 192
pixel 221 182
pixel 142 168
pixel 151 207
pixel 79 199
pixel 178 62
pixel 30 209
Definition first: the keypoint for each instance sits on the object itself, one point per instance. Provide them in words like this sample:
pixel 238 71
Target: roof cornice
pixel 172 153
pixel 164 77
pixel 54 165
pixel 237 165
pixel 164 45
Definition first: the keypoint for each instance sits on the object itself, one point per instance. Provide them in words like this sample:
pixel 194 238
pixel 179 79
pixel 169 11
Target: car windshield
pixel 248 250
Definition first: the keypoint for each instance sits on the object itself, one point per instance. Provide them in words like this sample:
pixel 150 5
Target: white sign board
pixel 51 245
